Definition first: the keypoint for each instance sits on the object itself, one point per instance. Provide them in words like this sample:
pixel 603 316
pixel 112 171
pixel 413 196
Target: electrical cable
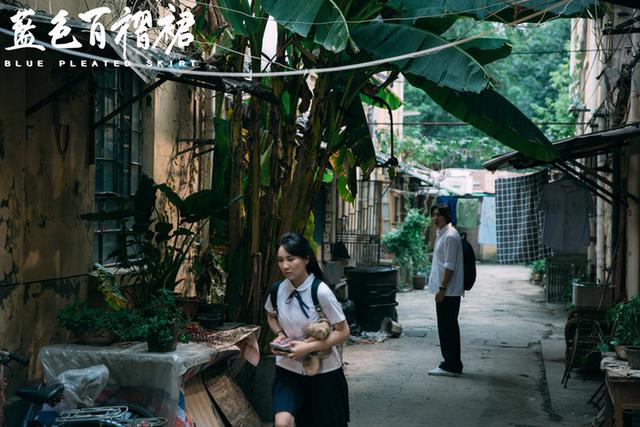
pixel 33 282
pixel 363 21
pixel 435 123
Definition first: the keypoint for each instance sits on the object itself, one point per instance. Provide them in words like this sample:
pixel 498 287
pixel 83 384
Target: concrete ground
pixel 512 349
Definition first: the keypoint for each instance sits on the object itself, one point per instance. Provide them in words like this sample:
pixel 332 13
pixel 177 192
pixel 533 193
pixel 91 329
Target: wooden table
pixel 622 392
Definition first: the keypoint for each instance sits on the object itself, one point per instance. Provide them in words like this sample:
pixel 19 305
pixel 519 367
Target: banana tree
pixel 275 155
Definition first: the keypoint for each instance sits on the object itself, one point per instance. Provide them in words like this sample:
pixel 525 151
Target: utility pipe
pixel 633 182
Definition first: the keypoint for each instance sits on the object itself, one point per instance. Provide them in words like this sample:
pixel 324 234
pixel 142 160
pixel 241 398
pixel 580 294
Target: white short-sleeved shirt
pixel 447 254
pixel 294 323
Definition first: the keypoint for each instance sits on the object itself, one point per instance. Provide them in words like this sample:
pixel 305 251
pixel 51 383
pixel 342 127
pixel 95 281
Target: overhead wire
pixel 444 123
pixel 363 21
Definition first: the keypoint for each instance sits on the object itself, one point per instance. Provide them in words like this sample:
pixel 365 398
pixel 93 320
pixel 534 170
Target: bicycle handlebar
pixel 24 361
pixel 7 356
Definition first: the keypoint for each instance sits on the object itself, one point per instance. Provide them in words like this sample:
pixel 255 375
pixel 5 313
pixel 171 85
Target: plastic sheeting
pixel 156 376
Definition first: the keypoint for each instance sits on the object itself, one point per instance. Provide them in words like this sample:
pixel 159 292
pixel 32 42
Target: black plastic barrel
pixel 373 290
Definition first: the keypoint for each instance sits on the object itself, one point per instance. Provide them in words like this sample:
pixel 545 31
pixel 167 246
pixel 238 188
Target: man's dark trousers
pixel 449 333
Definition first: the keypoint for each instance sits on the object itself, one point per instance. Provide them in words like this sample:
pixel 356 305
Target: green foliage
pixel 537 84
pixel 408 241
pixel 557 104
pixel 440 154
pixel 162 318
pixel 126 325
pixel 80 316
pixel 108 285
pixel 443 67
pixel 501 11
pixel 538 269
pixel 294 139
pixel 208 268
pixel 626 318
pixel 155 249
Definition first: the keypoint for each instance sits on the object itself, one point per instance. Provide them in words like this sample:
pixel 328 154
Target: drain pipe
pixel 601 221
pixel 633 182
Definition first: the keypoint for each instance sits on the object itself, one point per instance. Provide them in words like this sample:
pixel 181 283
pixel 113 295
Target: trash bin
pixel 373 291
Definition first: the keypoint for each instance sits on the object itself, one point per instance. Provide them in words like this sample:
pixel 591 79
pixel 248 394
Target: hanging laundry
pixel 566 205
pixel 487 231
pixel 467 213
pixel 518 221
pixel 452 202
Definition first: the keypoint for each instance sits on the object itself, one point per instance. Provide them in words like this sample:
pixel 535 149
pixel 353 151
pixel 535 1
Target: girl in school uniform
pixel 321 400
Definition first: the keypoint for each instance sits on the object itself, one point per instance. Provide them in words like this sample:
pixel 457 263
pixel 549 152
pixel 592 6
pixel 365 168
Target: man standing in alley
pixel 446 282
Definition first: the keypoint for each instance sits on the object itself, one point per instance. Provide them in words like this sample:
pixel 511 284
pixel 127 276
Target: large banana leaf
pixel 487 50
pixel 452 67
pixel 221 161
pixel 324 16
pixel 238 14
pixel 358 138
pixel 492 114
pixel 495 10
pixel 436 25
pixel 373 96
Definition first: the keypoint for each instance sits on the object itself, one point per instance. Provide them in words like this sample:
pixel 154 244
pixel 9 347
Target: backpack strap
pixel 274 295
pixel 314 296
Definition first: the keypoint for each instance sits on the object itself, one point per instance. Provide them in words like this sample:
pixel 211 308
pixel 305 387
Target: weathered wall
pixel 599 69
pixel 173 116
pixel 173 119
pixel 47 183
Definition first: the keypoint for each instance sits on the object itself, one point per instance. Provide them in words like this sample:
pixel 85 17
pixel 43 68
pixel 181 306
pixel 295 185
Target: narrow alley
pixel 512 348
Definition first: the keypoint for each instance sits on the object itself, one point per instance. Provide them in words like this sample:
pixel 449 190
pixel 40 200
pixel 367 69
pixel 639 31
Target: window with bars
pixel 118 157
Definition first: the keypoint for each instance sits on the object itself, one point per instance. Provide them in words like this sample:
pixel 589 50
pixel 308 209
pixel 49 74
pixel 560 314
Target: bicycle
pixel 127 415
pixel 5 359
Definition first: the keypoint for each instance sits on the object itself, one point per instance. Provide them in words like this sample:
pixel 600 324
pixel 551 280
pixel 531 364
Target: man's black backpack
pixel 468 262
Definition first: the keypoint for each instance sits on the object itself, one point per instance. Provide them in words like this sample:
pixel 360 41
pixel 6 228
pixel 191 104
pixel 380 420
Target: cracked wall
pixel 45 248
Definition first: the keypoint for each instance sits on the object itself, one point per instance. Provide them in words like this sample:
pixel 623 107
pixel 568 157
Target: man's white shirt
pixel 447 254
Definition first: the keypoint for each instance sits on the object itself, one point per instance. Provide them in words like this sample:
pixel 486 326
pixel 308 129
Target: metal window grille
pixel 118 157
pixel 360 224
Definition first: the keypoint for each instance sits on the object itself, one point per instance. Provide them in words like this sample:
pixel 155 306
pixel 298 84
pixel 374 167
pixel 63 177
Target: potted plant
pixel 163 323
pixel 153 251
pixel 100 326
pixel 210 280
pixel 89 324
pixel 154 247
pixel 408 244
pixel 626 329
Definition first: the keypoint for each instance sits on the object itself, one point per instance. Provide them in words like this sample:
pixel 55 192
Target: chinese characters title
pixel 175 33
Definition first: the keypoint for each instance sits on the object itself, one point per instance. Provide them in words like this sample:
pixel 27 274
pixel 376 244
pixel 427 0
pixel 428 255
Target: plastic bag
pixel 82 386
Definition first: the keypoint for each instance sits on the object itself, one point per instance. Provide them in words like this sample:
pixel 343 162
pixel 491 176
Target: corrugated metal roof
pixel 577 147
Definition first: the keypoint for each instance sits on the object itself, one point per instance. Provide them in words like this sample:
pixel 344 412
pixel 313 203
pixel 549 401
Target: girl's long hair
pixel 297 245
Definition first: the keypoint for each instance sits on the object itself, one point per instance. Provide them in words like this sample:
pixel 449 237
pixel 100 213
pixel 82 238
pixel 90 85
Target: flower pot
pixel 160 343
pixel 419 282
pixel 211 316
pixel 188 306
pixel 102 336
pixel 633 356
pixel 621 351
